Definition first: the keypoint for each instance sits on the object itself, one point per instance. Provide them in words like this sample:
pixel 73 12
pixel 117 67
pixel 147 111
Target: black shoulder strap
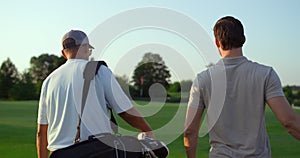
pixel 90 71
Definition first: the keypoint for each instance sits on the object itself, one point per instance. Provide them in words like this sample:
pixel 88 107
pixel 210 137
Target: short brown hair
pixel 229 32
pixel 69 44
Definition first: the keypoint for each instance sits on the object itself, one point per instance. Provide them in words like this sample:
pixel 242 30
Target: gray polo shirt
pixel 238 130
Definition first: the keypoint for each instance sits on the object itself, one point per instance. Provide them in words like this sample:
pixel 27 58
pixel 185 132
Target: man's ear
pixel 64 54
pixel 217 42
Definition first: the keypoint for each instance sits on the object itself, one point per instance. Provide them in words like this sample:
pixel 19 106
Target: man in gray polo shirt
pixel 234 92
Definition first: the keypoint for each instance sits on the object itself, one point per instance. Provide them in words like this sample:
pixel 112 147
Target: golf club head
pixel 158 147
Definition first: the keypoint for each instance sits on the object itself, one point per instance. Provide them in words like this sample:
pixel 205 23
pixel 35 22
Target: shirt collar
pixel 233 60
pixel 76 60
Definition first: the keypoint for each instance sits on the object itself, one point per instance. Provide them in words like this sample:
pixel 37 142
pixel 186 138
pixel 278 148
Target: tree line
pixel 292 94
pixel 151 69
pixel 26 85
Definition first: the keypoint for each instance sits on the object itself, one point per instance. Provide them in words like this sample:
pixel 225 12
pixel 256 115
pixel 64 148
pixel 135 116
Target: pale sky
pixel 30 28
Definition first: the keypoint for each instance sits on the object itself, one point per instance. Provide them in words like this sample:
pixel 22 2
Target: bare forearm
pixel 190 144
pixel 138 123
pixel 41 142
pixel 41 146
pixel 192 123
pixel 293 127
pixel 134 118
pixel 295 134
pixel 286 115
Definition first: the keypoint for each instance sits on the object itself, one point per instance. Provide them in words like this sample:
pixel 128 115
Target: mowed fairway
pixel 18 129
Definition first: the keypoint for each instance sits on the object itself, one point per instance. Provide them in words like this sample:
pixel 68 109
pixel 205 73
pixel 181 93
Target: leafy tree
pixel 174 87
pixel 183 86
pixel 8 77
pixel 297 103
pixel 297 98
pixel 150 70
pixel 288 94
pixel 24 89
pixel 297 95
pixel 42 66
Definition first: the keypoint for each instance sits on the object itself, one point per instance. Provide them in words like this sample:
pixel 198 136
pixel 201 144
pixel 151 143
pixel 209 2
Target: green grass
pixel 18 129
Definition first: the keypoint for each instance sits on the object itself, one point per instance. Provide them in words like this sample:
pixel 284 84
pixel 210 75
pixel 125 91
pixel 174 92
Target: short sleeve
pixel 195 100
pixel 114 94
pixel 42 110
pixel 273 86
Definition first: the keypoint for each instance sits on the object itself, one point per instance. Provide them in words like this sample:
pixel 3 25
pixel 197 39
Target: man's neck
pixel 235 52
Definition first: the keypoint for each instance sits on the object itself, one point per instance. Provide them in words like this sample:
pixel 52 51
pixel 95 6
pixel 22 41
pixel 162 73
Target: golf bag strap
pixel 89 73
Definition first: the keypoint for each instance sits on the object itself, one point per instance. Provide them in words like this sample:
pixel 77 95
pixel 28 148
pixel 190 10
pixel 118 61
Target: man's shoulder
pixel 104 73
pixel 259 67
pixel 204 77
pixel 57 70
pixel 103 69
pixel 212 69
pixel 258 64
pixel 204 74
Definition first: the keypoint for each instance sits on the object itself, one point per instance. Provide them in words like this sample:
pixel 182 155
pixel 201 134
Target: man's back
pixel 58 106
pixel 60 103
pixel 240 129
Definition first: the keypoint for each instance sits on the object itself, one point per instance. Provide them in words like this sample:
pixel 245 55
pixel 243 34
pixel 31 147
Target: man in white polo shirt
pixel 234 92
pixel 61 96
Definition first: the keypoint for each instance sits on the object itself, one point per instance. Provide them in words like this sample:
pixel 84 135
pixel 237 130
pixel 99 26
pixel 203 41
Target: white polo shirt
pixel 60 103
